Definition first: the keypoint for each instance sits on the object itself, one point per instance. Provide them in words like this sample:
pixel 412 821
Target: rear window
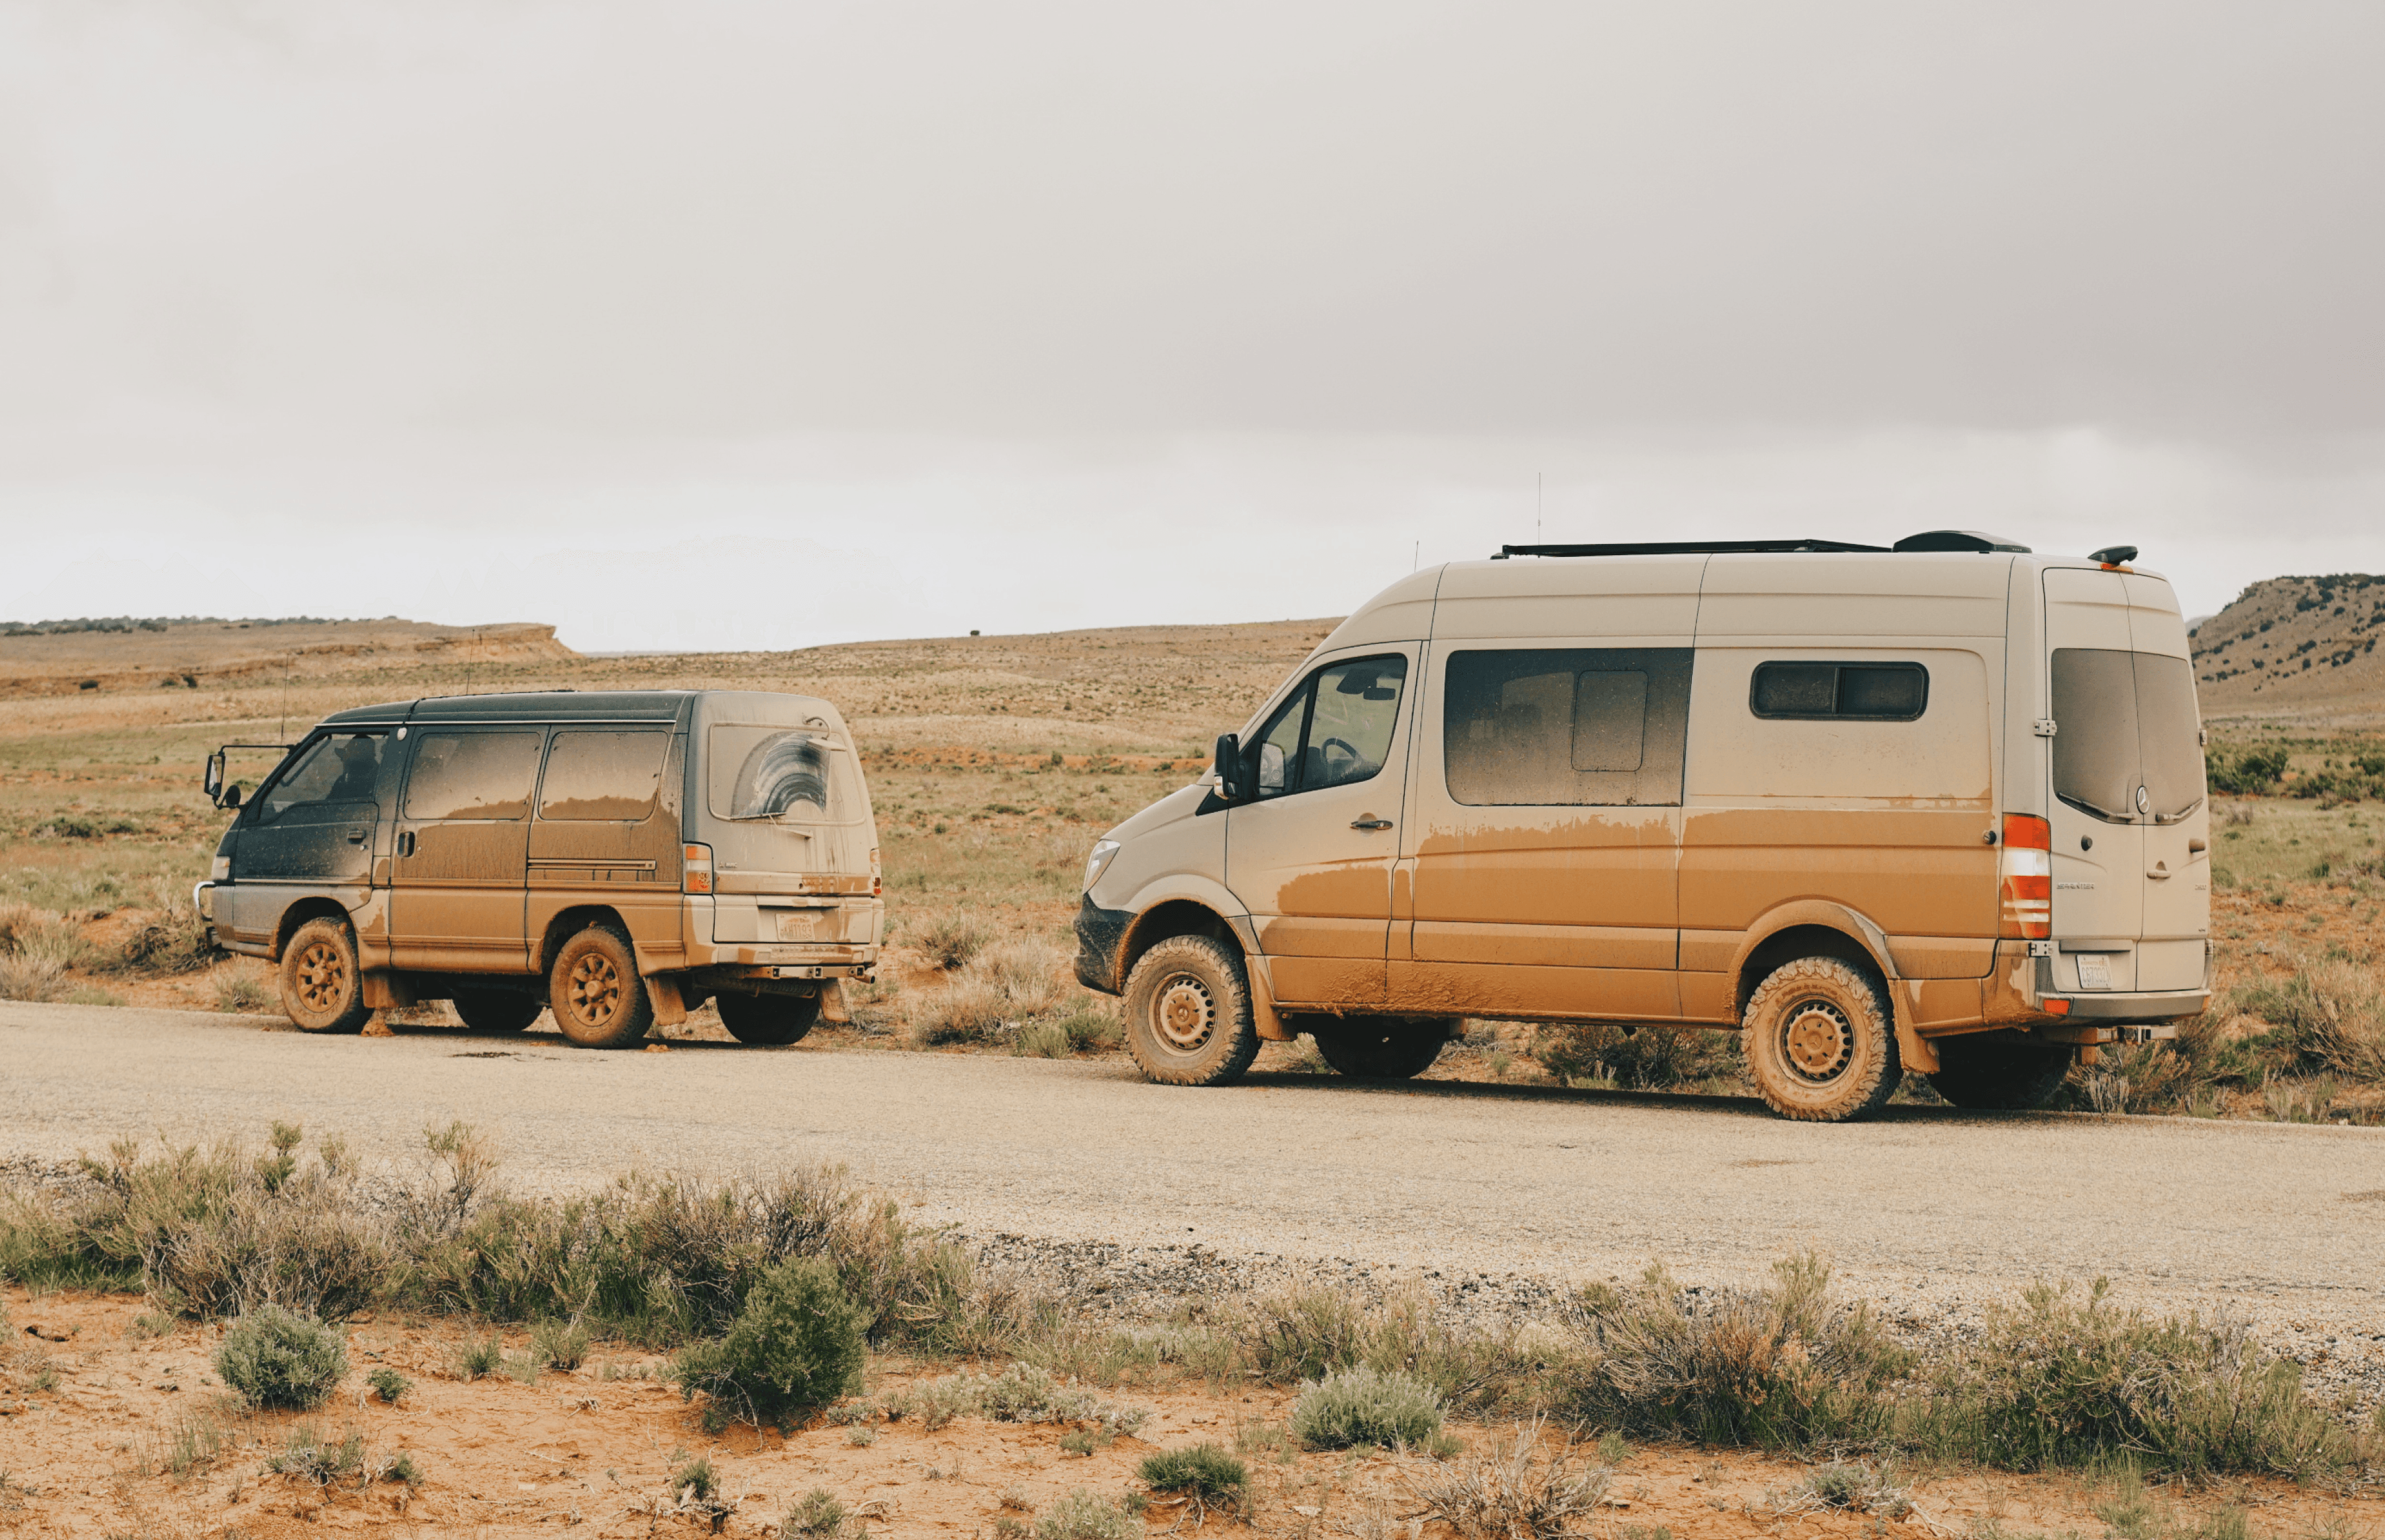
pixel 472 774
pixel 798 775
pixel 2125 734
pixel 602 775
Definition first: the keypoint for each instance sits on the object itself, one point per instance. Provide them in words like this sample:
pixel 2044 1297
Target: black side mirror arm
pixel 1230 767
pixel 231 795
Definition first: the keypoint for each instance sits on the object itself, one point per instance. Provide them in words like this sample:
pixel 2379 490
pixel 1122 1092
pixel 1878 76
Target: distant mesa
pixel 2295 642
pixel 120 653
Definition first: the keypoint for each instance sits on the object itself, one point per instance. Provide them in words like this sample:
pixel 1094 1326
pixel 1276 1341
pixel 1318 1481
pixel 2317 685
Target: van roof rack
pixel 1933 539
pixel 1677 548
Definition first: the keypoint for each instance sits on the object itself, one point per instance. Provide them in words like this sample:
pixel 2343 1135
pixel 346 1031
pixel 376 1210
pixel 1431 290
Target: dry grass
pixel 1515 1490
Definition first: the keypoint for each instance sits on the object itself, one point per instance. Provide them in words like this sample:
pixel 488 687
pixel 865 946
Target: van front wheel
pixel 1188 1013
pixel 767 1020
pixel 1821 1046
pixel 595 993
pixel 1381 1048
pixel 322 988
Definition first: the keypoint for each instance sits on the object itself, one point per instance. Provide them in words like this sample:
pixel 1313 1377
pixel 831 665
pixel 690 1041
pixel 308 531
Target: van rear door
pixel 2131 889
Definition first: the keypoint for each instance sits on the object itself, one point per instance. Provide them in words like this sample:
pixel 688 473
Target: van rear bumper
pixel 2111 1009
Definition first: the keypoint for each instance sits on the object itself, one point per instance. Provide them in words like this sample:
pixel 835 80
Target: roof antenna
pixel 1416 557
pixel 1536 507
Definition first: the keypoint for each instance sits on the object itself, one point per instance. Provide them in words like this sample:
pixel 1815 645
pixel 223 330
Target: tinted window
pixel 602 774
pixel 1335 731
pixel 800 774
pixel 1573 727
pixel 2125 721
pixel 1859 691
pixel 336 771
pixel 470 775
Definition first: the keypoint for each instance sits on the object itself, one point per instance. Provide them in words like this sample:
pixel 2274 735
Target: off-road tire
pixel 767 1020
pixel 496 1009
pixel 595 993
pixel 1382 1047
pixel 1188 1012
pixel 322 987
pixel 1821 1043
pixel 1999 1076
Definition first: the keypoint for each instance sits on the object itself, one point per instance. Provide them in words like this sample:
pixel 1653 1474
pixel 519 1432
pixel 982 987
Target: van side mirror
pixel 1230 768
pixel 231 796
pixel 214 781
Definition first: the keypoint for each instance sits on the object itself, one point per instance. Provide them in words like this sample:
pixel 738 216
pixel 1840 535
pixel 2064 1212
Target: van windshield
pixel 793 775
pixel 2125 742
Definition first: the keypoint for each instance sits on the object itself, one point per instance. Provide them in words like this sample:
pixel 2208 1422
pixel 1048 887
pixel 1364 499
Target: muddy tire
pixel 1188 1012
pixel 322 988
pixel 1999 1076
pixel 767 1020
pixel 1821 1045
pixel 595 993
pixel 1382 1047
pixel 496 1009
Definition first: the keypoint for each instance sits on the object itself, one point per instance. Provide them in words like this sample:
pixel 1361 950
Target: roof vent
pixel 1957 539
pixel 2113 555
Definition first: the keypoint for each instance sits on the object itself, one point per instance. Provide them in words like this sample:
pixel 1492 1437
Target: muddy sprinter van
pixel 1939 807
pixel 614 857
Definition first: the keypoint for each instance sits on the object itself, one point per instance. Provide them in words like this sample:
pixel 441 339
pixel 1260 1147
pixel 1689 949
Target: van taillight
pixel 699 869
pixel 2027 870
pixel 877 882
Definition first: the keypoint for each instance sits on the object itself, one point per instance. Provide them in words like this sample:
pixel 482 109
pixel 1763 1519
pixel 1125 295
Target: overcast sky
pixel 760 325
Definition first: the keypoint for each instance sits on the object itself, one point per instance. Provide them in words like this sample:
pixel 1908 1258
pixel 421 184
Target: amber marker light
pixel 2027 870
pixel 699 869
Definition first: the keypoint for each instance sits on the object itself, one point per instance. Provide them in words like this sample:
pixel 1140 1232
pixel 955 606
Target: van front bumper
pixel 1101 934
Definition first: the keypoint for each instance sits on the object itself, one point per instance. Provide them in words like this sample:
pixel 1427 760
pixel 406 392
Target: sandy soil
pixel 93 1456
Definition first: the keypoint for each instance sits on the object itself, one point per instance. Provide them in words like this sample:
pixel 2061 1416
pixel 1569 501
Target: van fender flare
pixel 1214 897
pixel 1914 1050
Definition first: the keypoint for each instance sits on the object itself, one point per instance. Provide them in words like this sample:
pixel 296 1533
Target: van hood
pixel 1174 808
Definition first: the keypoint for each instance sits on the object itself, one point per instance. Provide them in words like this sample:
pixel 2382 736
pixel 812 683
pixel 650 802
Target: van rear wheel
pixel 1387 1048
pixel 2007 1076
pixel 496 1009
pixel 595 993
pixel 322 988
pixel 767 1020
pixel 1188 1013
pixel 1821 1045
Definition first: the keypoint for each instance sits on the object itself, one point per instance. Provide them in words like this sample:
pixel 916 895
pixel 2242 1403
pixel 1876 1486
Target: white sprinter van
pixel 1938 807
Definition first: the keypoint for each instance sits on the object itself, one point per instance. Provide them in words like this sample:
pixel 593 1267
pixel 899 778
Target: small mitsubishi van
pixel 614 857
pixel 1936 807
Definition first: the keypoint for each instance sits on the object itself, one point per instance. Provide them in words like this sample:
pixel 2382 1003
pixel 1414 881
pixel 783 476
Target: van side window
pixel 472 774
pixel 1565 726
pixel 608 776
pixel 1853 692
pixel 339 770
pixel 1335 731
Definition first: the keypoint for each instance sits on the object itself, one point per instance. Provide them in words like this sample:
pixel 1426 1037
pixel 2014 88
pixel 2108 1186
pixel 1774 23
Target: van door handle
pixel 2160 872
pixel 355 836
pixel 406 842
pixel 1371 822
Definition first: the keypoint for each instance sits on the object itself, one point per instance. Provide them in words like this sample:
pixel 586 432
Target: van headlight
pixel 1102 851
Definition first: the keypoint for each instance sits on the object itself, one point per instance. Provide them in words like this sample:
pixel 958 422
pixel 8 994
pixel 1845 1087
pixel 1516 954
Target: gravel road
pixel 1506 1189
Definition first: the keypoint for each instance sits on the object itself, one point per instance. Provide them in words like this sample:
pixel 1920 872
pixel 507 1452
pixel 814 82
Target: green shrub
pixel 2328 1015
pixel 1306 1333
pixel 2244 773
pixel 1205 1472
pixel 1364 1406
pixel 1082 1516
pixel 389 1384
pixel 2058 1380
pixel 279 1358
pixel 238 994
pixel 797 1344
pixel 477 1357
pixel 1784 1366
pixel 307 1454
pixel 1042 1040
pixel 561 1344
pixel 952 939
pixel 1646 1058
pixel 815 1516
